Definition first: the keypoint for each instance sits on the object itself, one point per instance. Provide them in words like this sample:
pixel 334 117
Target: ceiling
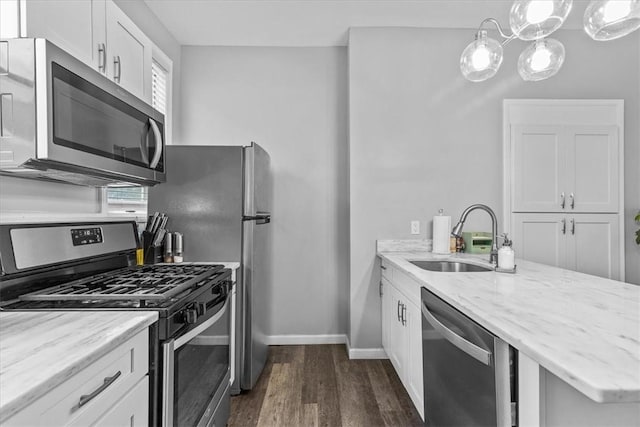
pixel 318 22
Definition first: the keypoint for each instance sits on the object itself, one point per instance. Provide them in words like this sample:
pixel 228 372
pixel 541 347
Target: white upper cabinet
pixel 565 168
pixel 128 53
pixel 96 32
pixel 70 24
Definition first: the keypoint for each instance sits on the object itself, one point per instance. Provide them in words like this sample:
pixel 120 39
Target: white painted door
pixel 413 373
pixel 128 53
pixel 132 410
pixel 593 166
pixel 75 26
pixel 540 237
pixel 538 157
pixel 593 246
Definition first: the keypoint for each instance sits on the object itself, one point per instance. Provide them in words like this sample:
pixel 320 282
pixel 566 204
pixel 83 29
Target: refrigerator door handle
pixel 260 218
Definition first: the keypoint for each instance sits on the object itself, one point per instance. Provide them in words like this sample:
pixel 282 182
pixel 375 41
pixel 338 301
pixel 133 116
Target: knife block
pixel 152 253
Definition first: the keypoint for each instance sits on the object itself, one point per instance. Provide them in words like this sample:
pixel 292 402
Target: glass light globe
pixel 535 19
pixel 609 20
pixel 481 59
pixel 540 60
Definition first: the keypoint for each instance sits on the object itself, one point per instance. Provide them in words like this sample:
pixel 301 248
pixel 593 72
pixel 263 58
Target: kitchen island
pixel 40 351
pixel 573 332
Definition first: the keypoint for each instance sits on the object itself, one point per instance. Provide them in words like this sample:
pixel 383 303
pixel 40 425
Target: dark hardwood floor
pixel 317 385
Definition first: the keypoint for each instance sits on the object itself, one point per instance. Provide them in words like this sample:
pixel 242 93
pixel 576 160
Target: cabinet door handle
pixel 381 291
pixel 564 226
pixel 102 57
pixel 404 312
pixel 572 201
pixel 399 319
pixel 117 68
pixel 562 200
pixel 573 226
pixel 86 398
pixel 383 267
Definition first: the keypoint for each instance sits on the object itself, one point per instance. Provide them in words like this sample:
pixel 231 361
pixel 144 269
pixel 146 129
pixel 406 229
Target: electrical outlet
pixel 415 227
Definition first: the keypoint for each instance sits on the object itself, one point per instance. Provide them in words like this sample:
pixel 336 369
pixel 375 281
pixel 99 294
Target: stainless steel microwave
pixel 62 120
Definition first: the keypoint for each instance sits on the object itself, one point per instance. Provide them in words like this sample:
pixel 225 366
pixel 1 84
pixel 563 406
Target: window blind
pixel 159 87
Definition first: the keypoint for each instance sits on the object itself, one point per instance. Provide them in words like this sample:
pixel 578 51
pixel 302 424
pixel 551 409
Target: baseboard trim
pixel 306 339
pixel 366 353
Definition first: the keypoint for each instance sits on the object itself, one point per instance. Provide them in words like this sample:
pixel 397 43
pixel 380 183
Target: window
pixel 133 200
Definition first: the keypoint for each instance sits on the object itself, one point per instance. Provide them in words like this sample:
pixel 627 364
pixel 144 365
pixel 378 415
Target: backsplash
pixel 409 245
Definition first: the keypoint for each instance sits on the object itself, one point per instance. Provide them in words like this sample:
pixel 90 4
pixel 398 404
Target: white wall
pixel 292 101
pixel 423 138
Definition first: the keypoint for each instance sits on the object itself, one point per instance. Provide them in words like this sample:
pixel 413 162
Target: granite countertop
pixel 40 350
pixel 582 328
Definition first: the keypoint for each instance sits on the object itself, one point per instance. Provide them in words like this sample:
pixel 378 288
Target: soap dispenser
pixel 506 255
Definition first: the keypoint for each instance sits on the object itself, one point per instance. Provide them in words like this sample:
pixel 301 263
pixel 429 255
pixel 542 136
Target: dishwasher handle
pixel 478 353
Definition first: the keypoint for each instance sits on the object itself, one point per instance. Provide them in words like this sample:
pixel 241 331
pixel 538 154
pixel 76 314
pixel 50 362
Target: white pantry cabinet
pixel 588 243
pixel 563 183
pixel 402 330
pixel 565 168
pixel 114 390
pixel 96 32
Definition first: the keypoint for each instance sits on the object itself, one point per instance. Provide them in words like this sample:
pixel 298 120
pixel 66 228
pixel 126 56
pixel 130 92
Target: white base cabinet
pixel 113 390
pixel 402 331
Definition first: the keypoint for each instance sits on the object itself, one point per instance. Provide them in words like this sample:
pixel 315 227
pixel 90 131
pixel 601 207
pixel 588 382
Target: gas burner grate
pixel 149 283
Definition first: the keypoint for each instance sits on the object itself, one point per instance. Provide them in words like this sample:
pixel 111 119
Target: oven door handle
pixel 182 340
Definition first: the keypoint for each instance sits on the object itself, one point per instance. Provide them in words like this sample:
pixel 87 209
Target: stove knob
pixel 201 308
pixel 190 316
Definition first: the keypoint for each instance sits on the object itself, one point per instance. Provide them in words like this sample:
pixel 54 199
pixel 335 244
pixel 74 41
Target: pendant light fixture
pixel 542 59
pixel 611 19
pixel 535 20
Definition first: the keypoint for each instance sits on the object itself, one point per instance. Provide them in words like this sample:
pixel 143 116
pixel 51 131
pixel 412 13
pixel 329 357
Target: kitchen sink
pixel 450 266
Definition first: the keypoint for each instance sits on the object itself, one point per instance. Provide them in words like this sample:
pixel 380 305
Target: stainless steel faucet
pixel 457 230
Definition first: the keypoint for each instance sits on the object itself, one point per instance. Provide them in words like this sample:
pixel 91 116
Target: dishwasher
pixel 469 373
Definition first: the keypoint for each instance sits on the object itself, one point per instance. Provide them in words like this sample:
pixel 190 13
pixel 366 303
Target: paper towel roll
pixel 441 233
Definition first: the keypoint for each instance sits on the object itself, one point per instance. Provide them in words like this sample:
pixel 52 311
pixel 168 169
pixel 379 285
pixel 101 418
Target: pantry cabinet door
pixel 594 168
pixel 593 246
pixel 75 26
pixel 540 238
pixel 128 53
pixel 538 156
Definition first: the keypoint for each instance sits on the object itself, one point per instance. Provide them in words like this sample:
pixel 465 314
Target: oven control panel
pixel 86 236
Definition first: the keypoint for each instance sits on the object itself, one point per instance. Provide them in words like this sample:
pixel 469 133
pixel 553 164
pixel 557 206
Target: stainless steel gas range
pixel 91 266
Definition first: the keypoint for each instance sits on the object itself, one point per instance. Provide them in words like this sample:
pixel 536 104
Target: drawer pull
pixel 86 398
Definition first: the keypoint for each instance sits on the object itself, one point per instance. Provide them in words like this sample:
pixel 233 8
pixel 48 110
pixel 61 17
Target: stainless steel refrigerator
pixel 219 197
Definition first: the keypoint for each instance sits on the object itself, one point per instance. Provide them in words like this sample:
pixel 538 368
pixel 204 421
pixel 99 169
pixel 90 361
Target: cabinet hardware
pixel 381 291
pixel 562 200
pixel 573 226
pixel 404 312
pixel 572 201
pixel 86 398
pixel 117 68
pixel 564 226
pixel 102 57
pixel 383 267
pixel 399 320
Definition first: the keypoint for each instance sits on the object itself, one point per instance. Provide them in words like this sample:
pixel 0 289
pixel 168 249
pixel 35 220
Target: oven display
pixel 86 236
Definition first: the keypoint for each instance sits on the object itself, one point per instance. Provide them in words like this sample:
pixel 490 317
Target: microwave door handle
pixel 144 146
pixel 158 138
